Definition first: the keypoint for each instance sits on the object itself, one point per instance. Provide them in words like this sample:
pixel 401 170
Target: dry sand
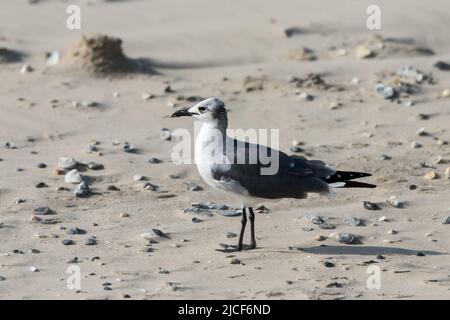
pixel 193 48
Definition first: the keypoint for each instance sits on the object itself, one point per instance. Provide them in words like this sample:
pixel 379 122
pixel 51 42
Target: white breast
pixel 209 155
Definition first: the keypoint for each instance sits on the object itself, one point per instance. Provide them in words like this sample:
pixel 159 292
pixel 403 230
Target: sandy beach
pixel 365 100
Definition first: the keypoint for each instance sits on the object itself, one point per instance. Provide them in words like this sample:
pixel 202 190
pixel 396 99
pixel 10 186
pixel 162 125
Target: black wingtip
pixel 344 176
pixel 356 184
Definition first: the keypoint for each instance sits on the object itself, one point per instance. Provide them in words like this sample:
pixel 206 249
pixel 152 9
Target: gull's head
pixel 208 110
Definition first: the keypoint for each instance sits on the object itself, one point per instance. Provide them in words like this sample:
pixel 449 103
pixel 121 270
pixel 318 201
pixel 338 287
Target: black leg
pixel 243 223
pixel 251 216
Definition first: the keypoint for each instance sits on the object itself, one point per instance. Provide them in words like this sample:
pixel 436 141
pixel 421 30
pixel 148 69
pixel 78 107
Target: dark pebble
pixel 41 165
pixel 196 220
pixel 160 234
pixel 370 205
pixel 443 66
pixel 90 241
pixel 67 242
pixel 42 210
pixel 41 185
pixel 380 257
pixel 113 188
pixel 154 160
pixel 420 254
pixel 328 264
pixel 76 231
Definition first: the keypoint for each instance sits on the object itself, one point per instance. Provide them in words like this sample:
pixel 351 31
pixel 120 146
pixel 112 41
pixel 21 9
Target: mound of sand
pixel 377 46
pixel 100 55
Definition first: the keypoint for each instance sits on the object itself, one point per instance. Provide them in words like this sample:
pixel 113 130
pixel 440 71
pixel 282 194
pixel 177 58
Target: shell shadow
pixel 366 251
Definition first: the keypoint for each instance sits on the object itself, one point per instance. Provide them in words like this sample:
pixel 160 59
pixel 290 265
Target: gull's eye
pixel 202 109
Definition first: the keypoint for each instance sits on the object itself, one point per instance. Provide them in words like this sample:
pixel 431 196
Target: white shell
pixel 73 176
pixel 66 163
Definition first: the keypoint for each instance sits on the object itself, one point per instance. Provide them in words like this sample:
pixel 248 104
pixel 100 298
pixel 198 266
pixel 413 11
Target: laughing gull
pixel 219 161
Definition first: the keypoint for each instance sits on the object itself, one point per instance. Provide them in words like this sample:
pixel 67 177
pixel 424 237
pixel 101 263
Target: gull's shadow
pixel 366 250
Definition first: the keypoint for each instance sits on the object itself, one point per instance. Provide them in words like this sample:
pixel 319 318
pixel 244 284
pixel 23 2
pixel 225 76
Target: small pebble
pixel 127 147
pixel 235 261
pixel 154 160
pixel 160 234
pixel 90 241
pixel 353 221
pixel 394 202
pixel 320 238
pixel 147 96
pixel 430 175
pixel 415 145
pixel 26 69
pixel 346 238
pixel 65 163
pixel 41 185
pixel 328 264
pixel 68 242
pixel 73 177
pixel 370 205
pixel 165 134
pixel 191 186
pixel 422 132
pixel 447 173
pixel 41 166
pixel 75 231
pixel 83 190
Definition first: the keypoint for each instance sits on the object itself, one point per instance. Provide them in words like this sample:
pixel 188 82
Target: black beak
pixel 182 113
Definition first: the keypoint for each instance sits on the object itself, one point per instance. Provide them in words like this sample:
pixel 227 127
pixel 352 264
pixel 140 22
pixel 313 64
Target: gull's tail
pixel 341 179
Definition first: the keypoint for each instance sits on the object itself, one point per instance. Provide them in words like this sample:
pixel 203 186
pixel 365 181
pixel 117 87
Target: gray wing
pixel 296 176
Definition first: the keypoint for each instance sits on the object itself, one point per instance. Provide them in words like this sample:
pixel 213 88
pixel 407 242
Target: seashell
pixel 421 132
pixel 73 176
pixel 346 238
pixel 94 165
pixel 415 145
pixel 67 163
pixel 147 96
pixel 26 69
pixel 53 58
pixel 362 52
pixel 394 202
pixel 387 92
pixel 445 93
pixel 353 221
pixel 430 175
